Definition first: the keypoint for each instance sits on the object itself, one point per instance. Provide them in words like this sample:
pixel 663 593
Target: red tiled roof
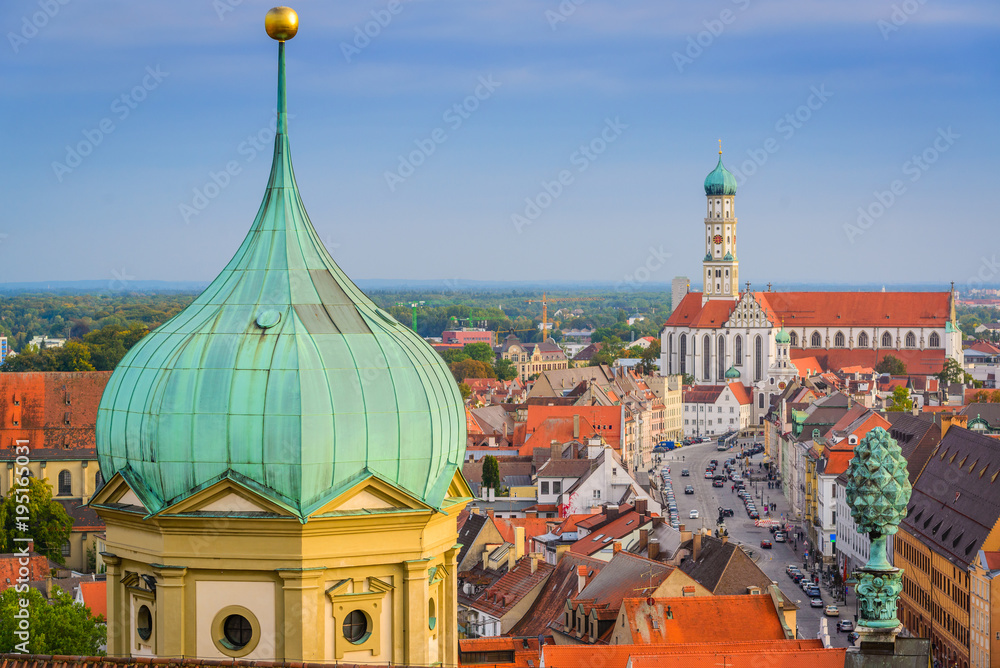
pixel 624 525
pixel 562 586
pixel 472 427
pixel 533 526
pixel 95 597
pixel 860 309
pixel 702 619
pixel 984 347
pixel 929 361
pixel 524 650
pixel 807 366
pixel 740 392
pixel 690 312
pixel 38 569
pixel 837 461
pixel 702 394
pixel 605 420
pixel 617 656
pixel 711 656
pixel 570 522
pixel 515 584
pixel 558 429
pixel 992 560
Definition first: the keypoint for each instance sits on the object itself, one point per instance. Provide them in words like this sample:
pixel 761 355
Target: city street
pixel 707 500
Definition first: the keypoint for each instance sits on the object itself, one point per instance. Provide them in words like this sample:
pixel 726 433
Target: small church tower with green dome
pixel 282 461
pixel 720 267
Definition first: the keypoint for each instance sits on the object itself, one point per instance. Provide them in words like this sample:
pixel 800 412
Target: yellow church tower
pixel 282 461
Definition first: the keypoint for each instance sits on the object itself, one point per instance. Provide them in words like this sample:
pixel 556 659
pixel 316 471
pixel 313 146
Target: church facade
pixel 764 339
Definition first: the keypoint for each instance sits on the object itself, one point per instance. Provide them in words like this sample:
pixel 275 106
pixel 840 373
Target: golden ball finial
pixel 281 23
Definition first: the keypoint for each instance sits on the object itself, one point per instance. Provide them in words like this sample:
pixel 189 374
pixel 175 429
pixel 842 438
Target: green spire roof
pixel 282 376
pixel 732 373
pixel 720 181
pixel 782 336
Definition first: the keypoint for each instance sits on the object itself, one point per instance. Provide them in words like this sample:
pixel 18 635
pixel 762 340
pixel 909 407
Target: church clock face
pixel 717 238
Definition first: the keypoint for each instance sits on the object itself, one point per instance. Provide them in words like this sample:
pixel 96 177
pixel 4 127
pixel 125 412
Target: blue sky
pixel 822 107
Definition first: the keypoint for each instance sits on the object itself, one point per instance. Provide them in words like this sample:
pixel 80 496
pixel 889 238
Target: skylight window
pixel 598 537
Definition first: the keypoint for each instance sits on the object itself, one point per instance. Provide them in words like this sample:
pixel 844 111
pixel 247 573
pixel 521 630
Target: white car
pixel 693 515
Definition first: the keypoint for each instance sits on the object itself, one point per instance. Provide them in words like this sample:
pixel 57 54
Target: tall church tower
pixel 282 463
pixel 721 268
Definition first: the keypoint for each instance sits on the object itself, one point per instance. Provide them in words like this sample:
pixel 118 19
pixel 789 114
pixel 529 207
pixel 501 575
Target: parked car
pixel 852 637
pixel 754 515
pixel 718 483
pixel 693 514
pixel 816 603
pixel 689 490
pixel 845 625
pixel 831 611
pixel 765 544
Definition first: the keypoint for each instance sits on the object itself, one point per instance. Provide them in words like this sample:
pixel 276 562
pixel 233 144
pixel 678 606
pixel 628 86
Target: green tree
pixel 453 355
pixel 891 365
pixel 688 379
pixel 900 399
pixel 72 356
pixel 505 369
pixel 952 372
pixel 465 390
pixel 59 626
pixel 470 368
pixel 481 351
pixel 491 473
pixel 48 523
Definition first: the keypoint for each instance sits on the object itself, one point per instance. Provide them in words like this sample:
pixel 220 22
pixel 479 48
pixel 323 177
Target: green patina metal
pixel 732 373
pixel 878 489
pixel 282 376
pixel 729 257
pixel 782 336
pixel 720 180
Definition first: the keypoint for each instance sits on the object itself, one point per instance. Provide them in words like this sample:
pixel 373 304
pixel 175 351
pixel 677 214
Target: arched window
pixel 65 483
pixel 838 340
pixel 758 362
pixel 98 481
pixel 706 353
pixel 682 347
pixel 935 340
pixel 670 353
pixel 738 356
pixel 911 340
pixel 816 340
pixel 863 340
pixel 793 340
pixel 721 358
pixel 886 340
pixel 760 401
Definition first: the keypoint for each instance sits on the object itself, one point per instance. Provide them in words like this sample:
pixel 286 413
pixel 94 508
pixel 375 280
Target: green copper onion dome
pixel 782 336
pixel 283 377
pixel 732 373
pixel 720 181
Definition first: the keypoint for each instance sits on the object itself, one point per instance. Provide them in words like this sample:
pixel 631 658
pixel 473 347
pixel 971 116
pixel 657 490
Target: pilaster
pixel 118 624
pixel 450 612
pixel 415 587
pixel 304 633
pixel 171 623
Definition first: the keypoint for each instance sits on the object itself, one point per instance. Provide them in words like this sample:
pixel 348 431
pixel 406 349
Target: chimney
pixel 643 538
pixel 531 513
pixel 725 538
pixel 653 549
pixel 492 498
pixel 581 578
pixel 617 547
pixel 486 559
pixel 511 558
pixel 685 534
pixel 534 561
pixel 576 425
pixel 518 542
pixel 489 511
pixel 555 450
pixel 475 510
pixel 657 522
pixel 697 546
pixel 611 510
pixel 641 506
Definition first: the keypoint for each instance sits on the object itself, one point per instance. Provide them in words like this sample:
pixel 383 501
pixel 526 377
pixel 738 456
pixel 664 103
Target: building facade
pixel 531 359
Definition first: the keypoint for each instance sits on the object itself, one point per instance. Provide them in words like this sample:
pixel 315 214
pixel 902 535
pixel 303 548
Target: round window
pixel 237 631
pixel 144 623
pixel 356 626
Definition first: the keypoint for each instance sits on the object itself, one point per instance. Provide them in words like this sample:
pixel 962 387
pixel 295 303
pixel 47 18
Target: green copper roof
pixel 782 336
pixel 729 257
pixel 283 376
pixel 732 373
pixel 720 181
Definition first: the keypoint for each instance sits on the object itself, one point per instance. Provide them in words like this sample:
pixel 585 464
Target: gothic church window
pixel 863 340
pixel 886 340
pixel 838 340
pixel 911 340
pixel 794 339
pixel 683 353
pixel 738 357
pixel 935 340
pixel 707 357
pixel 816 341
pixel 721 358
pixel 758 358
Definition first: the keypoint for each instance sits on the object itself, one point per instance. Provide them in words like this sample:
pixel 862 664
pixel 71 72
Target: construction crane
pixel 545 304
pixel 414 306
